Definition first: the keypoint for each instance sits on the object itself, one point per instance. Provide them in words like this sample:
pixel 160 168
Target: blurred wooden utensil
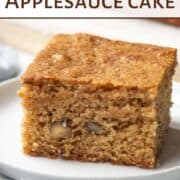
pixel 21 37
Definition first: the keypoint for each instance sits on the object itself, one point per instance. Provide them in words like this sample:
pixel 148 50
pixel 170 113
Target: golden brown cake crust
pixel 84 58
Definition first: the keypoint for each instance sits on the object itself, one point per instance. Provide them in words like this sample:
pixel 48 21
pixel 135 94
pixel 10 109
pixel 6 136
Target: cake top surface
pixel 84 58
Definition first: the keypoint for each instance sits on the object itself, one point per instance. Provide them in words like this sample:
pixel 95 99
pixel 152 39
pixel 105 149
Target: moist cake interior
pixel 89 98
pixel 118 125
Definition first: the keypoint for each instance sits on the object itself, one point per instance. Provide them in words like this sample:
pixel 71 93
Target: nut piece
pixel 66 122
pixel 58 131
pixel 94 128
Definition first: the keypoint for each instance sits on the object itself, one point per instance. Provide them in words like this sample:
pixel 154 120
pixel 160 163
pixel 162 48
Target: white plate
pixel 17 165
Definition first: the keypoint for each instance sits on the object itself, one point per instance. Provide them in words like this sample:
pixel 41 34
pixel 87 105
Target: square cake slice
pixel 88 98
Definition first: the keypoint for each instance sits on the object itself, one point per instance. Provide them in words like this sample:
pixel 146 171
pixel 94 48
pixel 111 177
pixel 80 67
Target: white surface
pixel 18 165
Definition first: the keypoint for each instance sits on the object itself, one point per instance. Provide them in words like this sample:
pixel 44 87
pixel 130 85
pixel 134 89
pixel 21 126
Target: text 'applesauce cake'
pixel 88 98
